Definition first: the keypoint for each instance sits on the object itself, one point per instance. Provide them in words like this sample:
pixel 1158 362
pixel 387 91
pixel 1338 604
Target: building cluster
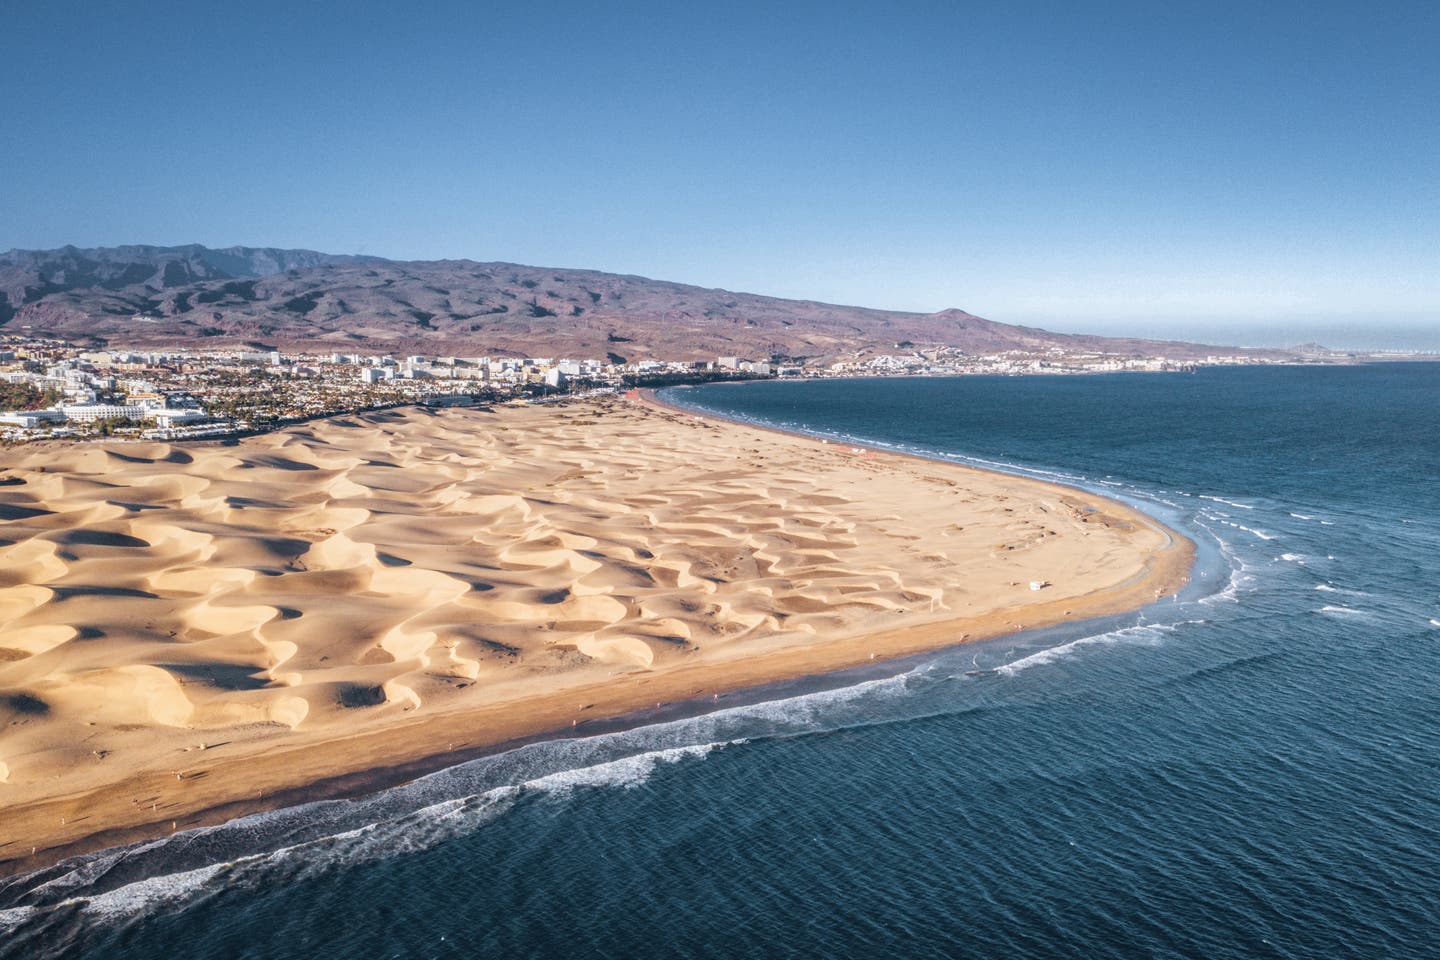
pixel 514 372
pixel 83 394
pixel 949 362
pixel 497 371
pixel 51 389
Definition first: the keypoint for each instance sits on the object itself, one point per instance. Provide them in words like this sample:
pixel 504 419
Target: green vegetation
pixel 25 396
pixel 109 426
pixel 698 376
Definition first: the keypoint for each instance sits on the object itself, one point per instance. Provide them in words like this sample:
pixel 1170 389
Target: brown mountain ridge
pixel 196 297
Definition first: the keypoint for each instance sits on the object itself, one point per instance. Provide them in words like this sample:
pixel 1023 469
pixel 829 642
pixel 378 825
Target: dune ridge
pixel 186 630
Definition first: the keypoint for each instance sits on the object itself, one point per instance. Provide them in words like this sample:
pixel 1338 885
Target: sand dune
pixel 181 628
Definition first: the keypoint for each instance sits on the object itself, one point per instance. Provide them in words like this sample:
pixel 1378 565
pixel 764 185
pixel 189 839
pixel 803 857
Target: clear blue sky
pixel 1247 168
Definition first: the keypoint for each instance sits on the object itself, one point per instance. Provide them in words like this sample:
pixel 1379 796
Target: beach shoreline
pixel 276 774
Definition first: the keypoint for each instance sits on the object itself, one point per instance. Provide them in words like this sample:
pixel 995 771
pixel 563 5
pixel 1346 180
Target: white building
pixel 167 418
pixel 30 419
pixel 90 412
pixel 165 415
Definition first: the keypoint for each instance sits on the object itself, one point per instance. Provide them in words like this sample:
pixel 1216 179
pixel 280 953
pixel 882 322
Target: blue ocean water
pixel 1252 770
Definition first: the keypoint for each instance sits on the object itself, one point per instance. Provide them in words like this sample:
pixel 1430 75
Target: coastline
pixel 345 766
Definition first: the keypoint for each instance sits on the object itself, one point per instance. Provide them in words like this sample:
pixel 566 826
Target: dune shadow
pixel 353 695
pixel 222 676
pixel 242 503
pixel 99 538
pixel 127 458
pixel 284 546
pixel 275 462
pixel 25 704
pixel 135 507
pixel 10 511
pixel 63 593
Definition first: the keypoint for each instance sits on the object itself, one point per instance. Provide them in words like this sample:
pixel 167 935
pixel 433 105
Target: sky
pixel 1261 171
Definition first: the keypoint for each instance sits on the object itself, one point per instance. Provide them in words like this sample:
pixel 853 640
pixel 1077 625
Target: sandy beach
pixel 190 632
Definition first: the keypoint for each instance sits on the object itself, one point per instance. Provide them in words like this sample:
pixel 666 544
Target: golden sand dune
pixel 182 628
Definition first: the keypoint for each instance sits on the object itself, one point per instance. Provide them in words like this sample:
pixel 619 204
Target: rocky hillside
pixel 193 296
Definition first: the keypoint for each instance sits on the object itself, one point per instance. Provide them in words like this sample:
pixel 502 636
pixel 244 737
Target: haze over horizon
pixel 1218 173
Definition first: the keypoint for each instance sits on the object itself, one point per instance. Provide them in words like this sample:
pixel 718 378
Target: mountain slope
pixel 193 296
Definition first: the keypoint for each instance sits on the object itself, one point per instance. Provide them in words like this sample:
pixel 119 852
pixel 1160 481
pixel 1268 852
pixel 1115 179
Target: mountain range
pixel 197 297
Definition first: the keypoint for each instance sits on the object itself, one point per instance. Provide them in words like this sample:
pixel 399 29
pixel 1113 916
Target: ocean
pixel 1251 770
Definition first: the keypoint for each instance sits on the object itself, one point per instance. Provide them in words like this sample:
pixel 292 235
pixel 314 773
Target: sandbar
pixel 191 632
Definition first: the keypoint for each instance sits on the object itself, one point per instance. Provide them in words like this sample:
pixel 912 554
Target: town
pixel 50 389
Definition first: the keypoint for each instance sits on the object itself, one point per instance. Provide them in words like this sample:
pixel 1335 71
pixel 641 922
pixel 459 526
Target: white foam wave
pixel 412 832
pixel 1231 590
pixel 1234 563
pixel 417 831
pixel 1227 592
pixel 1228 503
pixel 1258 534
pixel 128 900
pixel 1331 588
pixel 1293 557
pixel 1335 610
pixel 1148 634
pixel 401 820
pixel 626 772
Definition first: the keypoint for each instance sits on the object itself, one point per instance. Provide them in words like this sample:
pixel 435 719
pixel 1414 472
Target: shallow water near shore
pixel 1247 771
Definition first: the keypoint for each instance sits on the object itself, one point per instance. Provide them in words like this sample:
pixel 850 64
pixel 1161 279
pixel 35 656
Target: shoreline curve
pixel 390 754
